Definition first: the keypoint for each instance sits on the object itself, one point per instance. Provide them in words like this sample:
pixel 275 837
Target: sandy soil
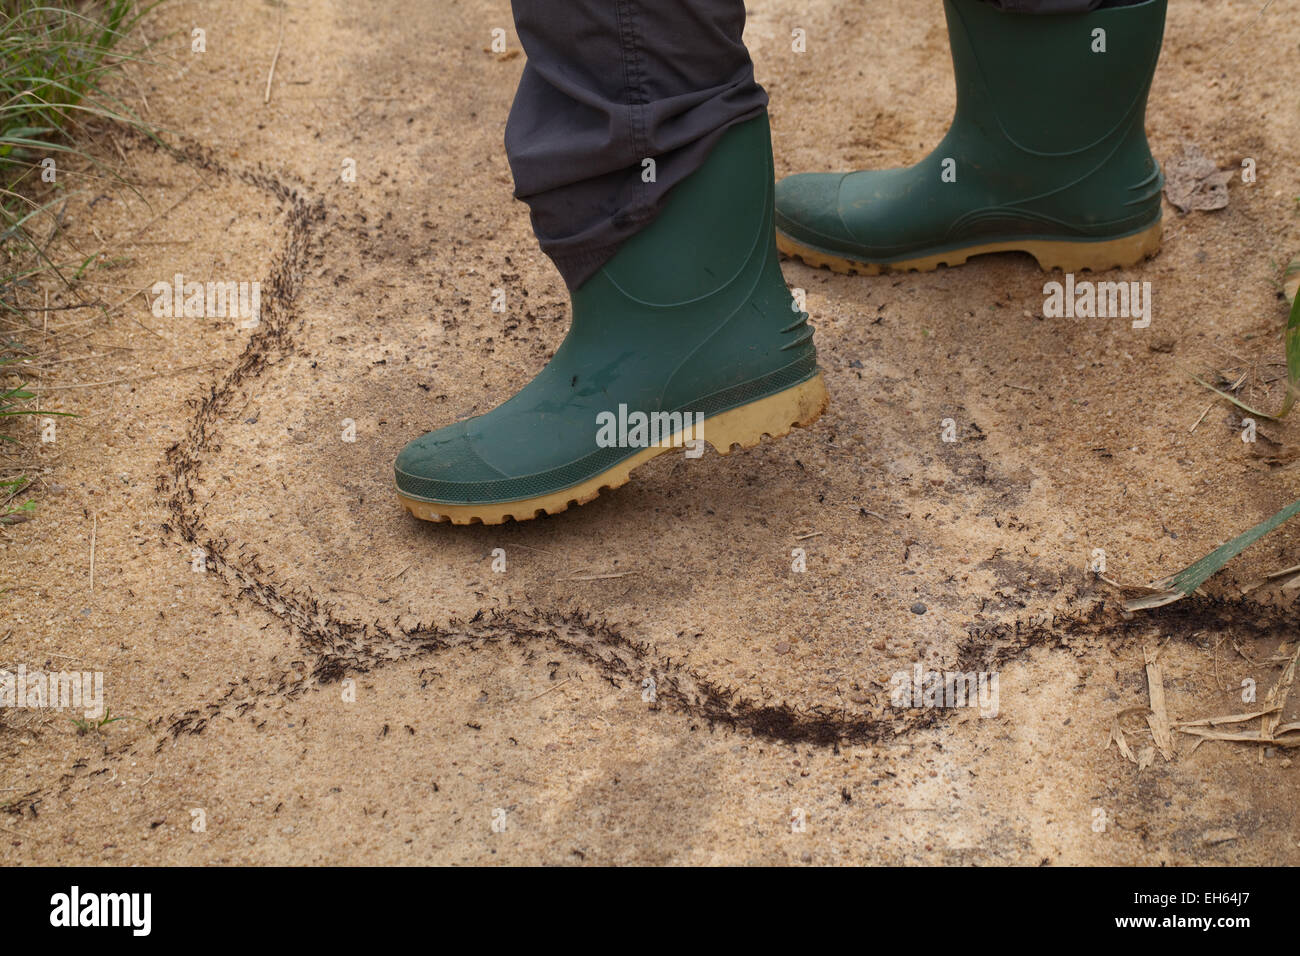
pixel 342 684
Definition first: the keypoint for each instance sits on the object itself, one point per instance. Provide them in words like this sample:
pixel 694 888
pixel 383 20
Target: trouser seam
pixel 629 40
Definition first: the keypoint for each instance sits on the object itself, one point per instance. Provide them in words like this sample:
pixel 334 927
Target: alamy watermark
pixel 207 300
pixel 922 688
pixel 1086 299
pixel 129 910
pixel 639 429
pixel 38 690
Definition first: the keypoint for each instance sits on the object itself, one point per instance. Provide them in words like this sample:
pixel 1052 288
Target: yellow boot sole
pixel 774 416
pixel 1051 254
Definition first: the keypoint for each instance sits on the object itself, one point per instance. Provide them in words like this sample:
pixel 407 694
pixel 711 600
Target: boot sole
pixel 1051 254
pixel 773 416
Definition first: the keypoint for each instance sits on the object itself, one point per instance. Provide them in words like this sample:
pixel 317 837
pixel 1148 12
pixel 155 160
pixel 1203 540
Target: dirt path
pixel 314 677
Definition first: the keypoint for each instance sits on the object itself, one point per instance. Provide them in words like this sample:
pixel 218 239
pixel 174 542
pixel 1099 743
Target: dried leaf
pixel 1192 181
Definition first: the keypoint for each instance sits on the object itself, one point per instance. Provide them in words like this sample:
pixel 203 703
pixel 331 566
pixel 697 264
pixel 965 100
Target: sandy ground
pixel 311 676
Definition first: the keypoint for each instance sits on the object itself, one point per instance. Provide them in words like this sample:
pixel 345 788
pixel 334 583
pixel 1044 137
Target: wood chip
pixel 1277 695
pixel 1158 719
pixel 1117 733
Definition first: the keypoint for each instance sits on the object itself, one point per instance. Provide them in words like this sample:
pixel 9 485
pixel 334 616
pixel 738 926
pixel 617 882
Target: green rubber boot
pixel 687 333
pixel 1046 155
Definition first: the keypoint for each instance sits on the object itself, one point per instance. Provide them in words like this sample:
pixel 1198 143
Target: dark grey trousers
pixel 611 83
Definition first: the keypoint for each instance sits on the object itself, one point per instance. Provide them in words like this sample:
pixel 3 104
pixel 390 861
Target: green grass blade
pixel 1292 357
pixel 1292 342
pixel 1236 401
pixel 1190 578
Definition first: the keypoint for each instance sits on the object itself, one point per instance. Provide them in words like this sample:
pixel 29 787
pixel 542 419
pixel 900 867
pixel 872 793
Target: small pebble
pixel 918 608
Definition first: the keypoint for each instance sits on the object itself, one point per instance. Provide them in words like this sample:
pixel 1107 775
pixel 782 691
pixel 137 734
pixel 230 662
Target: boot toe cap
pixel 436 464
pixel 808 209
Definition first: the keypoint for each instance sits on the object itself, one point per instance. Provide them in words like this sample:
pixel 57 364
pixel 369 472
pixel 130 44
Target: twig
pixel 274 60
pixel 1245 737
pixel 1225 719
pixel 527 547
pixel 94 528
pixel 135 378
pixel 549 689
pixel 1202 418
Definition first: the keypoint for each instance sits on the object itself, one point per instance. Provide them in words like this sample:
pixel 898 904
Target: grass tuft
pixel 55 56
